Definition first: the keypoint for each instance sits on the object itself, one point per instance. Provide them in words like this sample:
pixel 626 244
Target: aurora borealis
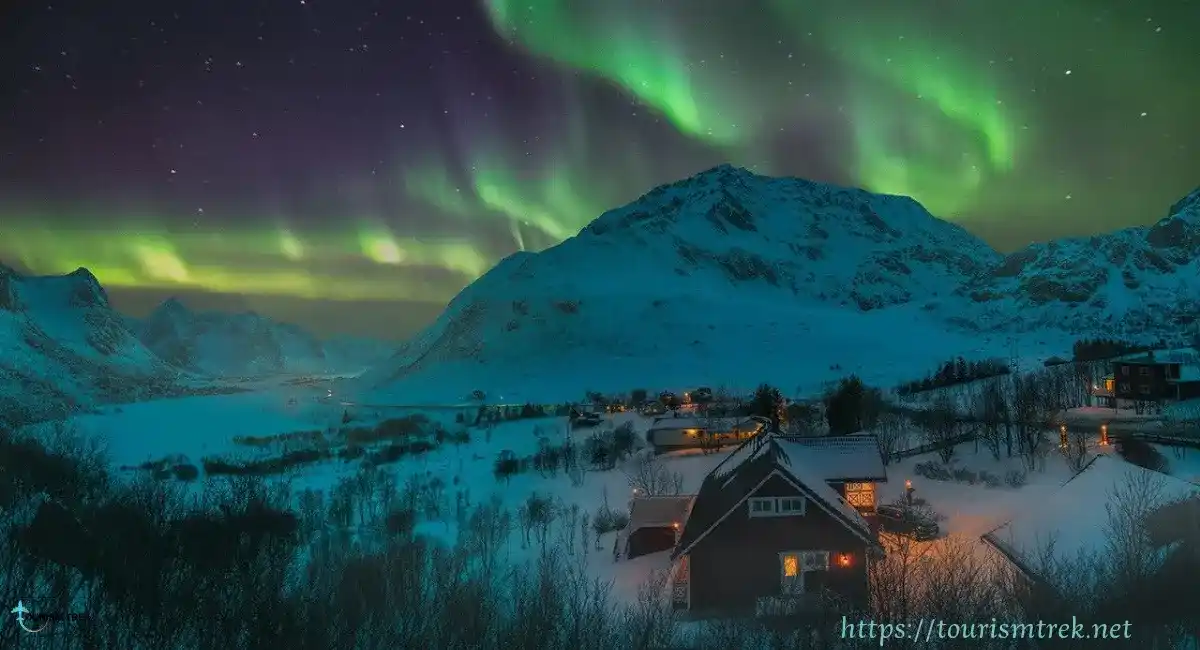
pixel 308 156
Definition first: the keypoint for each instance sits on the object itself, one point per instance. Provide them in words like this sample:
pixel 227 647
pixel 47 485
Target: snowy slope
pixel 1136 281
pixel 247 344
pixel 723 278
pixel 63 348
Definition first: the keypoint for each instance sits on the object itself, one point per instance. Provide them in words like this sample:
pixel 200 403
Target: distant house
pixel 655 523
pixel 1146 379
pixel 766 534
pixel 1074 518
pixel 668 433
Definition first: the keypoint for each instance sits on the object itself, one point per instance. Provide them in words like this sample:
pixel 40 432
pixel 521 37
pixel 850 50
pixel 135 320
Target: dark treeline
pixel 955 371
pixel 1100 349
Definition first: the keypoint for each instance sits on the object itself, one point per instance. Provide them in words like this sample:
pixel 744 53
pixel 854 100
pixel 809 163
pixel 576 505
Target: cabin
pixel 766 535
pixel 1076 516
pixel 684 432
pixel 1146 379
pixel 655 523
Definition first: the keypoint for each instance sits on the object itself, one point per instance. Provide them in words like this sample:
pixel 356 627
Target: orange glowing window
pixel 860 495
pixel 791 566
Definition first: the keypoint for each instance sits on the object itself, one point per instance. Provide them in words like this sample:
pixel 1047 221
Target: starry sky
pixel 349 165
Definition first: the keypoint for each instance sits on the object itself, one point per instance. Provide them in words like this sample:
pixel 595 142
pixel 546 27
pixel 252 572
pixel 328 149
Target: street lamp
pixel 908 491
pixel 1103 435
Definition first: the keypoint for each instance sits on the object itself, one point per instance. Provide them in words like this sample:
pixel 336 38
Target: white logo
pixel 21 610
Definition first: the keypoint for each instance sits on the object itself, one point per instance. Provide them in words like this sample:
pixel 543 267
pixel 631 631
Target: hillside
pixel 725 277
pixel 247 344
pixel 1130 282
pixel 63 348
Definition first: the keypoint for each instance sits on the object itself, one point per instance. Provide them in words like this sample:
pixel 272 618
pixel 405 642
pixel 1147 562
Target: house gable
pixel 722 498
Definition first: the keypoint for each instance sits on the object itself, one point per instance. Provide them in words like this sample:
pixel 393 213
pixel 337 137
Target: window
pixel 1125 370
pixel 777 506
pixel 794 565
pixel 791 506
pixel 860 495
pixel 1144 371
pixel 762 507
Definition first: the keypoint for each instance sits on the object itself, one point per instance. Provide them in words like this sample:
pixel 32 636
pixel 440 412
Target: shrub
pixel 186 472
pixel 263 467
pixel 351 452
pixel 989 479
pixel 1015 478
pixel 390 429
pixel 608 520
pixel 506 466
pixel 964 475
pixel 932 470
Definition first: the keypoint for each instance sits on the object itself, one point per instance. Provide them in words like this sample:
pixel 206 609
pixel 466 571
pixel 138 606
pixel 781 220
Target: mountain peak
pixel 1189 204
pixel 86 289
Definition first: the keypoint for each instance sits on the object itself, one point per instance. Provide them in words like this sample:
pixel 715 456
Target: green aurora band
pixel 927 112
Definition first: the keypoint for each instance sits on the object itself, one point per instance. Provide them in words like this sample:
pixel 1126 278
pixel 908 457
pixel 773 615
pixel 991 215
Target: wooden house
pixel 1146 379
pixel 767 535
pixel 684 432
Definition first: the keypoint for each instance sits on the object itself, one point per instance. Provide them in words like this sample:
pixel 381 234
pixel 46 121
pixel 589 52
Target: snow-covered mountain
pixel 63 348
pixel 1129 282
pixel 247 344
pixel 725 277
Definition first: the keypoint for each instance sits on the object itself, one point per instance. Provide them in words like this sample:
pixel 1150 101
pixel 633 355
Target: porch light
pixel 844 560
pixel 675 525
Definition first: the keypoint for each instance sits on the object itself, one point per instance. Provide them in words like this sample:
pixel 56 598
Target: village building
pixel 1072 524
pixel 767 534
pixel 688 432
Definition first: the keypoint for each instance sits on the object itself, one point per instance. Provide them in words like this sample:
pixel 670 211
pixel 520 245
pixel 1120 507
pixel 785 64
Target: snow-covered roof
pixel 837 458
pixel 659 511
pixel 724 424
pixel 1075 517
pixel 832 458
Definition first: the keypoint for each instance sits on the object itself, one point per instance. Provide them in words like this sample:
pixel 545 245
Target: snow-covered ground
pixel 197 427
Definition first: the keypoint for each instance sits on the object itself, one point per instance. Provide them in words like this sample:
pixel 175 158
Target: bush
pixel 506 466
pixel 932 470
pixel 989 479
pixel 608 520
pixel 186 472
pixel 390 429
pixel 264 467
pixel 351 452
pixel 964 475
pixel 1015 478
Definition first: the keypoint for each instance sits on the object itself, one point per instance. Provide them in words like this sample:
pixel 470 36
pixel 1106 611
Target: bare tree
pixel 939 424
pixel 1074 449
pixel 1033 413
pixel 650 477
pixel 988 408
pixel 891 430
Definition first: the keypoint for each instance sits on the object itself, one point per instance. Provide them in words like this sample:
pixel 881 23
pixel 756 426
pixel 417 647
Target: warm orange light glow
pixel 844 560
pixel 791 566
pixel 907 484
pixel 1103 435
pixel 675 525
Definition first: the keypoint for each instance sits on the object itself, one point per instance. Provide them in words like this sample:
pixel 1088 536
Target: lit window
pixel 860 495
pixel 791 566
